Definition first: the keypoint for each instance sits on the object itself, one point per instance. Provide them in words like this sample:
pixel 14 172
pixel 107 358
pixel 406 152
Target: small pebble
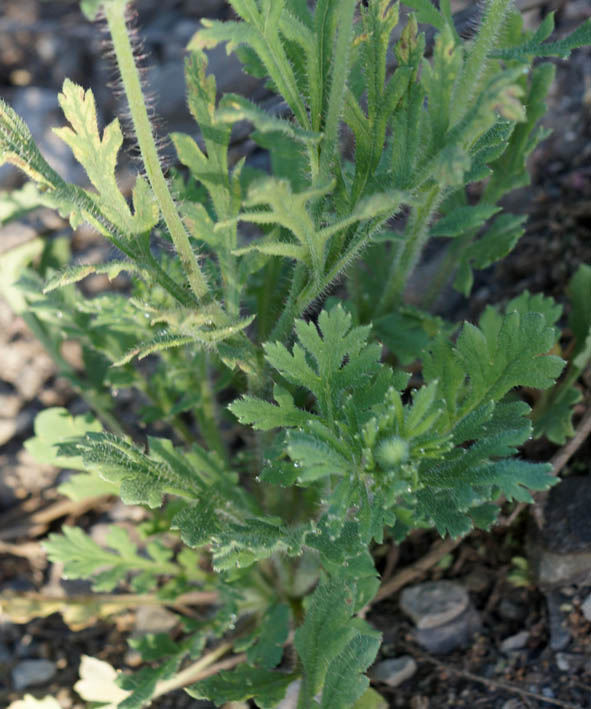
pixel 513 704
pixel 395 671
pixel 569 661
pixel 478 580
pixel 515 642
pixel 586 608
pixel 559 635
pixel 510 610
pixel 5 654
pixel 434 603
pixel 290 700
pixel 154 619
pixel 447 637
pixel 32 672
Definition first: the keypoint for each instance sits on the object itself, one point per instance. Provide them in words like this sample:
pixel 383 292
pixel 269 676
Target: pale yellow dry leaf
pixel 97 683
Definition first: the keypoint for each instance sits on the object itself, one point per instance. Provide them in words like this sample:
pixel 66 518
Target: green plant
pixel 325 447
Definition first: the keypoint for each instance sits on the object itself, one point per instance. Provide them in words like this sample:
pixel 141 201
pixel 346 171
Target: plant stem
pixel 283 327
pixel 338 83
pixel 196 671
pixel 477 57
pixel 206 413
pixel 115 14
pixel 408 253
pixel 445 269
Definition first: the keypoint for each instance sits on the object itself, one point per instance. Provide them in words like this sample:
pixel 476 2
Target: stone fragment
pixel 586 608
pixel 559 634
pixel 394 671
pixel 29 673
pixel 11 427
pixel 434 603
pixel 5 654
pixel 511 610
pixel 290 700
pixel 445 638
pixel 569 661
pixel 154 619
pixel 515 642
pixel 513 704
pixel 478 580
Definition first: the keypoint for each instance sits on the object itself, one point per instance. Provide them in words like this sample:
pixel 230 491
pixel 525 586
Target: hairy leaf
pixel 266 687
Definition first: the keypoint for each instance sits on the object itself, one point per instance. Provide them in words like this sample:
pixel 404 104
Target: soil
pixel 42 42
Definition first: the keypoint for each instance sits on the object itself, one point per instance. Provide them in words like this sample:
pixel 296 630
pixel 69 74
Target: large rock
pixel 561 550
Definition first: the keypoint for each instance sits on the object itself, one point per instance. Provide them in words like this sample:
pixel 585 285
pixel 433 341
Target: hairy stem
pixel 115 14
pixel 476 61
pixel 284 325
pixel 339 76
pixel 206 413
pixel 445 269
pixel 407 255
pixel 197 671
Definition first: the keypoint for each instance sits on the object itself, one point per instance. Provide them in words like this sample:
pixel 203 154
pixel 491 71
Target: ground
pixel 40 43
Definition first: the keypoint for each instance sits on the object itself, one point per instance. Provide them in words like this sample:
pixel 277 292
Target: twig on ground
pixel 416 570
pixel 33 551
pixel 496 684
pixel 391 562
pixel 36 524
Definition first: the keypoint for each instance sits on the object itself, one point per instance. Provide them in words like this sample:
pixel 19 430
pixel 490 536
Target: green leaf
pixel 504 352
pixel 196 522
pixel 74 274
pixel 579 292
pixel 535 46
pixel 345 682
pixel 554 419
pixel 85 559
pixel 261 32
pixel 407 332
pixel 328 639
pixel 267 651
pixel 239 545
pixel 265 416
pixel 338 360
pixel 317 457
pixel 143 478
pixel 426 12
pixel 13 265
pixel 496 242
pixel 371 700
pixel 142 684
pixel 463 219
pixel 18 147
pixel 98 156
pixel 87 485
pixel 527 302
pixel 166 340
pixel 287 209
pixel 14 204
pixel 266 687
pixel 54 426
pixel 236 108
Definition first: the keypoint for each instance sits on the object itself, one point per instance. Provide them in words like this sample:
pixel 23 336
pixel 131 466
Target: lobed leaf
pixel 266 687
